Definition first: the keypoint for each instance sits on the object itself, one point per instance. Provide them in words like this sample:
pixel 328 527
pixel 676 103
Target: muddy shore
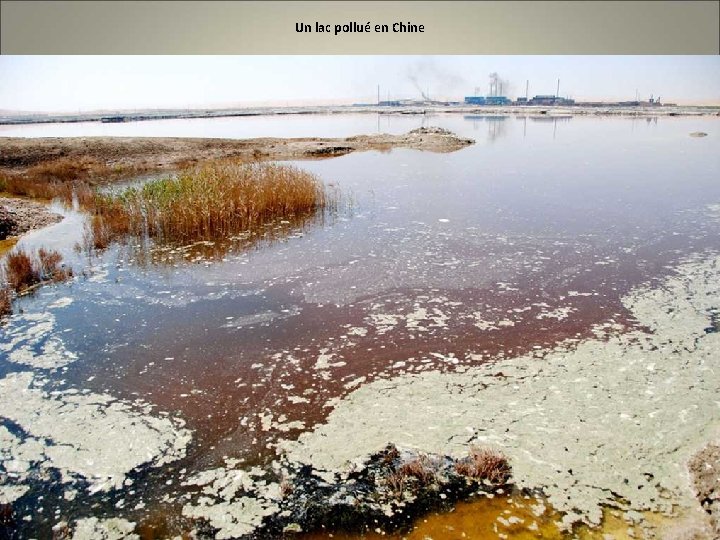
pixel 19 216
pixel 16 154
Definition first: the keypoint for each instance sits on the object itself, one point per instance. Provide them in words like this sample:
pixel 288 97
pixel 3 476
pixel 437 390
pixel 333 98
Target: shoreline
pixel 19 216
pixel 178 114
pixel 157 153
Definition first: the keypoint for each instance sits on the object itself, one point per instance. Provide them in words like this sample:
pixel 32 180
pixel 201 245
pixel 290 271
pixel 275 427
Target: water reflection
pixel 496 124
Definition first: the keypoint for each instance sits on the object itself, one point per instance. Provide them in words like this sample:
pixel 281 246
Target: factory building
pixel 475 100
pixel 548 100
pixel 487 100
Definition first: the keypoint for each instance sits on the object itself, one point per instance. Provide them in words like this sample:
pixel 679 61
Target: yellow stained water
pixel 513 517
pixel 6 245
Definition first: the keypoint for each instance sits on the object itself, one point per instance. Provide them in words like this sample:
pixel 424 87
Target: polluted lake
pixel 476 326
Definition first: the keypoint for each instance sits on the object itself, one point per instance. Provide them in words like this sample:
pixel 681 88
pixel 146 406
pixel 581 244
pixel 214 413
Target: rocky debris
pixel 388 491
pixel 18 216
pixel 705 471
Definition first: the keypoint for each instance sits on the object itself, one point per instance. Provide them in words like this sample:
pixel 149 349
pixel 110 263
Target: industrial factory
pixel 496 96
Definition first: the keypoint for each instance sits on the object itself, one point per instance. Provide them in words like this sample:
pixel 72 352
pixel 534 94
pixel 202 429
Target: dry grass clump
pixel 212 201
pixel 51 267
pixel 485 464
pixel 20 271
pixel 60 179
pixel 419 468
pixel 23 271
pixel 396 481
pixel 66 169
pixel 40 188
pixel 5 301
pixel 110 221
pixel 417 473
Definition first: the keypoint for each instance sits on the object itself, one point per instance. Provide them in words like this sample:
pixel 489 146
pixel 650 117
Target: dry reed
pixel 61 178
pixel 212 201
pixel 419 468
pixel 485 464
pixel 20 271
pixel 23 271
pixel 396 481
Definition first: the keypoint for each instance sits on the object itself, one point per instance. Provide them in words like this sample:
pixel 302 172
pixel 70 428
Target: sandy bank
pixel 16 154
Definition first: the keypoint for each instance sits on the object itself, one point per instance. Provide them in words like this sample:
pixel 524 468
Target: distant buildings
pixel 487 100
pixel 475 100
pixel 549 100
pixel 502 100
pixel 540 100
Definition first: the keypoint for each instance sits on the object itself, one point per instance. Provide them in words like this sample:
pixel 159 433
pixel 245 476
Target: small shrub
pixel 420 469
pixel 20 271
pixel 396 481
pixel 485 464
pixel 51 267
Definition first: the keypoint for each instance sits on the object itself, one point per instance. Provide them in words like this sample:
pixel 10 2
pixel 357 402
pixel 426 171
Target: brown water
pixel 524 239
pixel 519 517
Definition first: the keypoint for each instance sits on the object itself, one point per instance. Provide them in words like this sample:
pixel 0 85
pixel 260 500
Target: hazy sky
pixel 72 83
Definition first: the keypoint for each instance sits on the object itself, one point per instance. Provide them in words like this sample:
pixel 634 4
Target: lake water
pixel 434 261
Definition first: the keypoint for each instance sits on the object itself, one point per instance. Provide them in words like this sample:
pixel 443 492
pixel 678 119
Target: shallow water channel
pixel 525 239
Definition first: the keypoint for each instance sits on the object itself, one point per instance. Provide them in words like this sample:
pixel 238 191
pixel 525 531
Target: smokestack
pixel 557 94
pixel 378 100
pixel 527 87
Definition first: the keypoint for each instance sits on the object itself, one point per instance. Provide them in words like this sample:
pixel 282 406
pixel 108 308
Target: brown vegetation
pixel 485 464
pixel 419 468
pixel 5 301
pixel 61 178
pixel 23 271
pixel 20 271
pixel 208 202
pixel 51 267
pixel 396 481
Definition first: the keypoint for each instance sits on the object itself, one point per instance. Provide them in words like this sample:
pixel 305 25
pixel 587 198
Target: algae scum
pixel 550 291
